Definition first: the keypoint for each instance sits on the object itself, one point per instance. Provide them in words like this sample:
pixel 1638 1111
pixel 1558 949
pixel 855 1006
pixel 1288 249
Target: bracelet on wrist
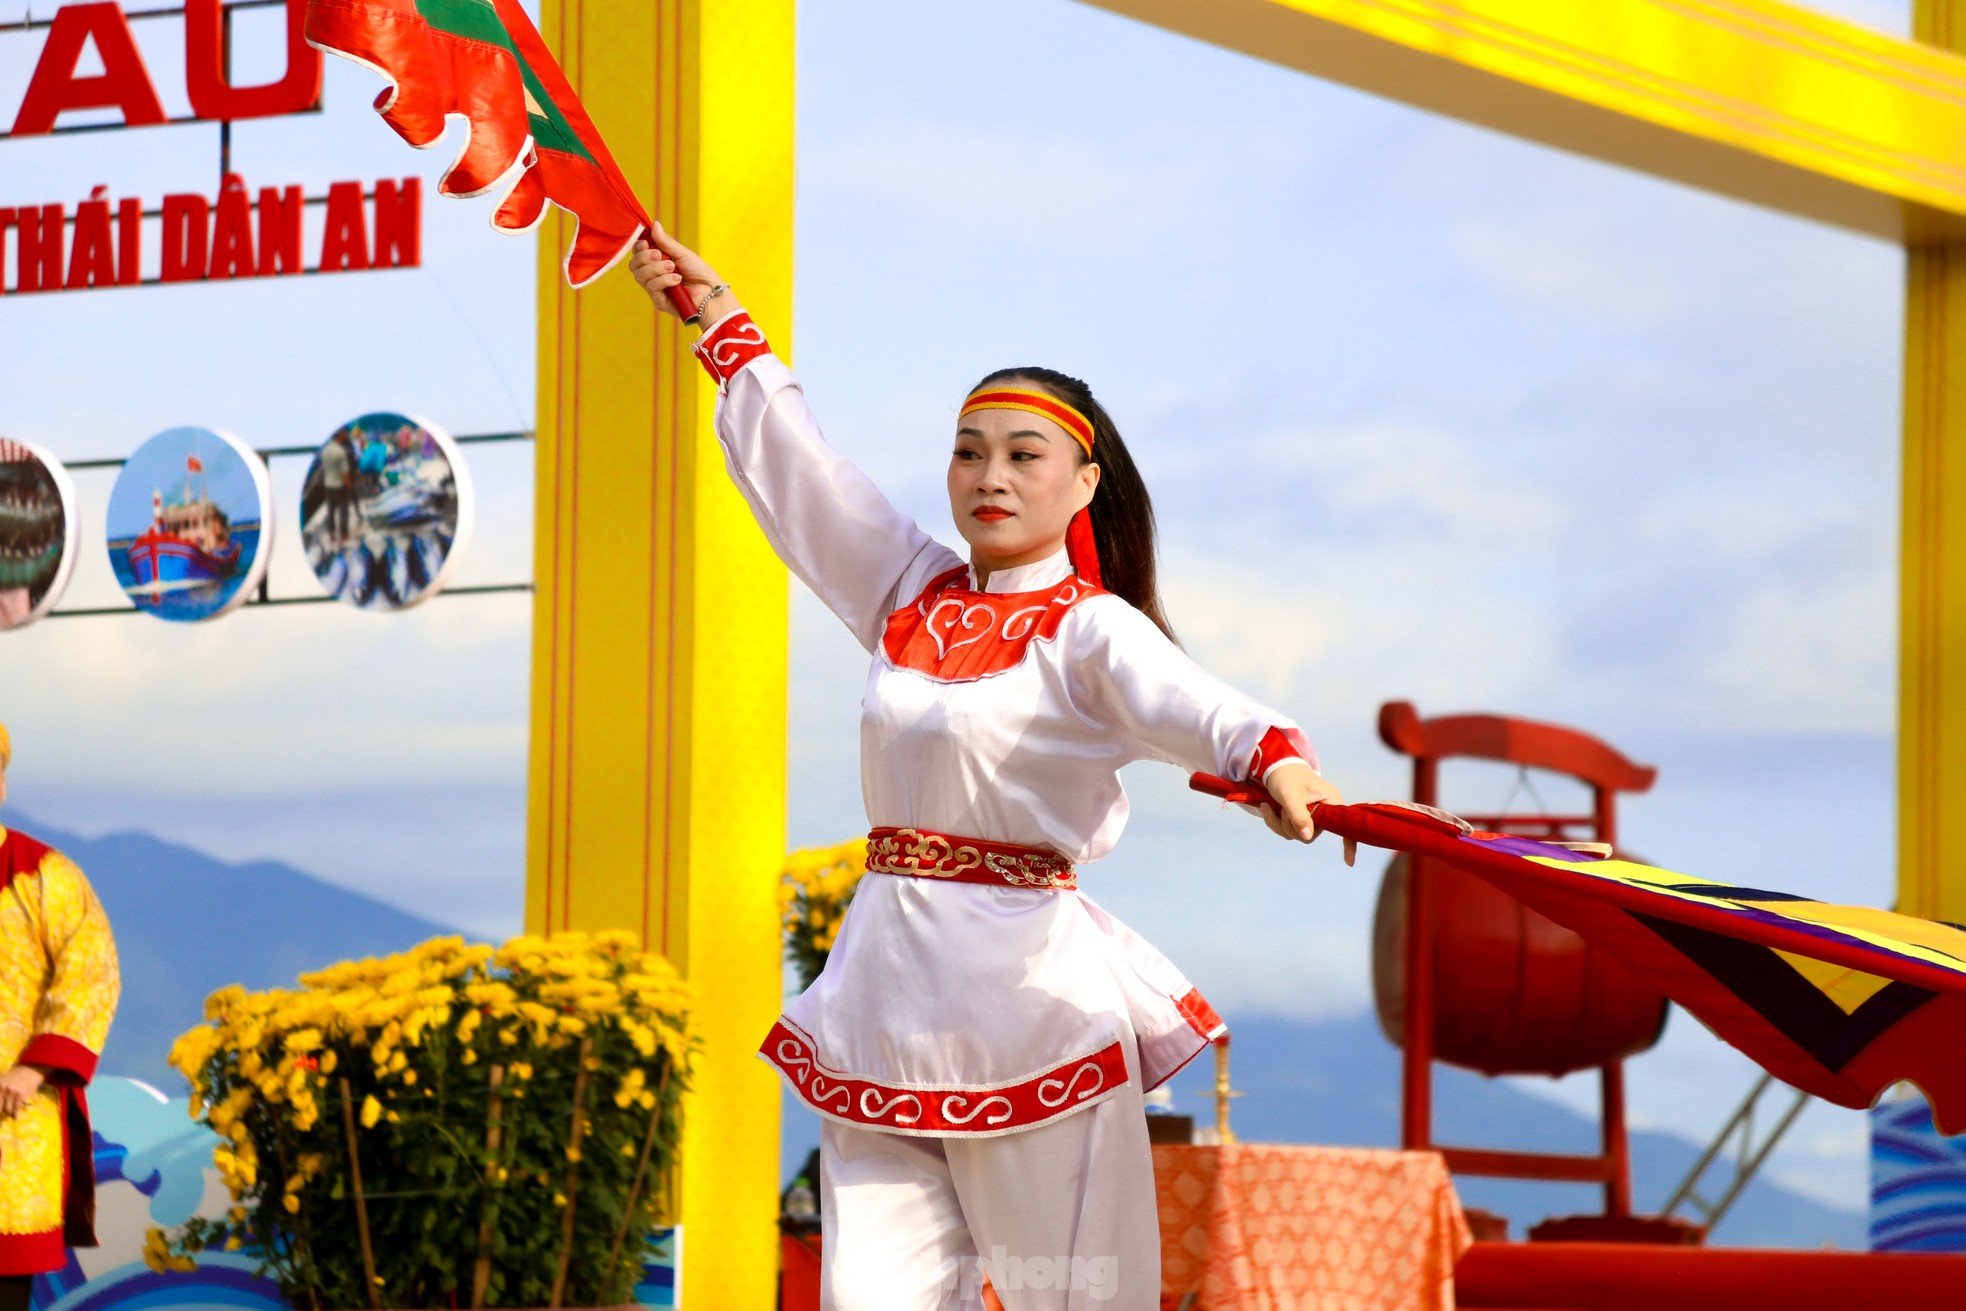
pixel 707 297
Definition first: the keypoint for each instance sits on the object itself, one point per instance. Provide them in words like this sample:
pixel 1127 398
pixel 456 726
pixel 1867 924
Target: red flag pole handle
pixel 681 300
pixel 1243 794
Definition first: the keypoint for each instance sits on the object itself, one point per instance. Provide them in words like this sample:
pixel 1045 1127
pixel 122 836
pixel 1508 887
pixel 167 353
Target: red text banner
pixel 101 29
pixel 242 233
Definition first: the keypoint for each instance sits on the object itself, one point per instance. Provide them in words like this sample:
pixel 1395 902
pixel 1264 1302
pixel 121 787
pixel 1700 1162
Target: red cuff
pixel 1201 1017
pixel 1277 746
pixel 733 343
pixel 66 1060
pixel 32 1254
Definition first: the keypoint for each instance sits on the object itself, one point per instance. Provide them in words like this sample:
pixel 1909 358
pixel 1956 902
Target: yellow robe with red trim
pixel 59 983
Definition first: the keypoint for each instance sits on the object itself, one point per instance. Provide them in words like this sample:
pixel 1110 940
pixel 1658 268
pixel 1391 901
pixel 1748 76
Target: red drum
pixel 1514 992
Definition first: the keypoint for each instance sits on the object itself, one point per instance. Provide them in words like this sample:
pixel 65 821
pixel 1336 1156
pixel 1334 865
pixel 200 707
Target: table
pixel 1276 1227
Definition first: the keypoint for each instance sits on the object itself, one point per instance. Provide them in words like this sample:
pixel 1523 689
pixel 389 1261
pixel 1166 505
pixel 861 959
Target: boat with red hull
pixel 188 544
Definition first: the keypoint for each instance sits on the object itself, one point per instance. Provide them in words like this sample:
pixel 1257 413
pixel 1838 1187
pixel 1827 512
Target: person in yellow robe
pixel 58 987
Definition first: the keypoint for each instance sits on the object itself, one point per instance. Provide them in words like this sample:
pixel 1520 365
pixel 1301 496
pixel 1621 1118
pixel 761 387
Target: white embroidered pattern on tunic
pixel 971 1111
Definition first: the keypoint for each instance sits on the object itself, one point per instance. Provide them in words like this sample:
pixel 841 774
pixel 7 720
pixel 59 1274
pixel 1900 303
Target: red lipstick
pixel 990 512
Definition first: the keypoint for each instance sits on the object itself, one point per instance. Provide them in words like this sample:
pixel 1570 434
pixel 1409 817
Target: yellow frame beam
pixel 1761 101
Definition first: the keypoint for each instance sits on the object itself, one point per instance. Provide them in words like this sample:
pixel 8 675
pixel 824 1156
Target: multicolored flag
pixel 484 61
pixel 1841 1001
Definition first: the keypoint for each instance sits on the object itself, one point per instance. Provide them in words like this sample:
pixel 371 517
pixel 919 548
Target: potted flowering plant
pixel 457 1125
pixel 814 890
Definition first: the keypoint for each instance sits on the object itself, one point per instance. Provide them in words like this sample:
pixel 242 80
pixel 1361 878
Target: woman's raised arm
pixel 825 519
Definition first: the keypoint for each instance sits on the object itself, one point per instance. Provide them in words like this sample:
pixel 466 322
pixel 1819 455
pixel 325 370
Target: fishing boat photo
pixel 188 524
pixel 188 543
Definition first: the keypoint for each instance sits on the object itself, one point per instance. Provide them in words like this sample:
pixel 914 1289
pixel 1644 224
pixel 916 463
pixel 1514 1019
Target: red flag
pixel 485 62
pixel 194 464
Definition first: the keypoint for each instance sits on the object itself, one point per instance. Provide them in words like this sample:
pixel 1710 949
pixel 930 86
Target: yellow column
pixel 1932 650
pixel 657 783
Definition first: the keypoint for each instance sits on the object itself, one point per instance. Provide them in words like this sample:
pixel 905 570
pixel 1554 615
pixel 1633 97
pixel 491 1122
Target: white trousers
pixel 1061 1217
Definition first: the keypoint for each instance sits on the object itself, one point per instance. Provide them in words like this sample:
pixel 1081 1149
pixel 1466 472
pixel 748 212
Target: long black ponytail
pixel 1121 511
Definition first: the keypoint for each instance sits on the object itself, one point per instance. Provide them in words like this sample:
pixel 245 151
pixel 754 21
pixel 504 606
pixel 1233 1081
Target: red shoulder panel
pixel 955 635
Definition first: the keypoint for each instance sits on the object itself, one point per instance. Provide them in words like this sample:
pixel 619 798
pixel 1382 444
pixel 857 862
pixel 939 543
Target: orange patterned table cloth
pixel 1273 1227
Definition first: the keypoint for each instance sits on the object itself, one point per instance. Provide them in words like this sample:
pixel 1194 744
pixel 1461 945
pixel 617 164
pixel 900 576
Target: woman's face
pixel 1015 481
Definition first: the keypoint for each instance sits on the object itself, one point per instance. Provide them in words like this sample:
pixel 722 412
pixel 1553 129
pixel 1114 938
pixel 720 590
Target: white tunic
pixel 1003 714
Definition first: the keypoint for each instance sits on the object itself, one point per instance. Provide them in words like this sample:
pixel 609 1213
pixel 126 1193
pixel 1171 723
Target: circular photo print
pixel 385 511
pixel 189 524
pixel 37 532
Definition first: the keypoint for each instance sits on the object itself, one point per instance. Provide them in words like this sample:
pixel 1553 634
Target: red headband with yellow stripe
pixel 1033 402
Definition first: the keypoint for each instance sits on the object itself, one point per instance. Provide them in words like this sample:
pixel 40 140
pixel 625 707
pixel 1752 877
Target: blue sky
pixel 1428 413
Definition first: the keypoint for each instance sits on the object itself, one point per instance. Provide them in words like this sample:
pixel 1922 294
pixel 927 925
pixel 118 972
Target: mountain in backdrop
pixel 187 924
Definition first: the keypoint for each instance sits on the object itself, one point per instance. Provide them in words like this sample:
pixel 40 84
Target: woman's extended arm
pixel 825 519
pixel 1128 675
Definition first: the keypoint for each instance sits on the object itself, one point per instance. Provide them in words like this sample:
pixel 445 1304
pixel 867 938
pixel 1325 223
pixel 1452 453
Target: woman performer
pixel 981 1036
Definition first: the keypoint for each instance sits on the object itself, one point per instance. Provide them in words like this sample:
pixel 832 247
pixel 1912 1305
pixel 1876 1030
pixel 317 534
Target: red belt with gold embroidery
pixel 921 854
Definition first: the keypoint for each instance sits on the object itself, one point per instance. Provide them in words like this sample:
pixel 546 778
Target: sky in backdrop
pixel 1428 413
